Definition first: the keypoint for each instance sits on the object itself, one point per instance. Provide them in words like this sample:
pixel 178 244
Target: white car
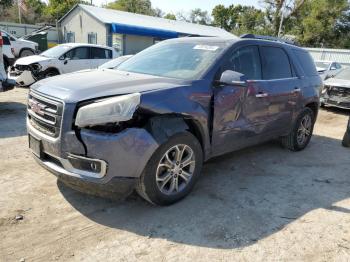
pixel 5 84
pixel 328 69
pixel 22 47
pixel 61 59
pixel 7 51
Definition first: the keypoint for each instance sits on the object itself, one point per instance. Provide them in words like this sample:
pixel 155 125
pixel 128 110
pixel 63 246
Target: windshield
pixel 322 65
pixel 56 51
pixel 344 74
pixel 180 60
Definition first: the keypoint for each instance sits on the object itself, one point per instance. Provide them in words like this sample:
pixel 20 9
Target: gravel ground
pixel 259 204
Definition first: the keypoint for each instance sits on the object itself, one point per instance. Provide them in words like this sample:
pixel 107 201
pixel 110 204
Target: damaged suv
pixel 150 123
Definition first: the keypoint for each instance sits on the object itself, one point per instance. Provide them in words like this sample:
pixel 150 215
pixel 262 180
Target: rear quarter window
pixel 306 62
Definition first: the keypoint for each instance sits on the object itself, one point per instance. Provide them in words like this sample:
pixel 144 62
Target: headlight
pixel 111 110
pixel 36 67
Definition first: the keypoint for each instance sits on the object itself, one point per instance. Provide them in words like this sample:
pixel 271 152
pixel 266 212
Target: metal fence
pixel 341 56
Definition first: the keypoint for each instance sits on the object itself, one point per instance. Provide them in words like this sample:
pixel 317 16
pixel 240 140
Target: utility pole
pixel 19 11
pixel 281 22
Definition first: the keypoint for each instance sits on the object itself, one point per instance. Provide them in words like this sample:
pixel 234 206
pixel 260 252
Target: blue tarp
pixel 144 31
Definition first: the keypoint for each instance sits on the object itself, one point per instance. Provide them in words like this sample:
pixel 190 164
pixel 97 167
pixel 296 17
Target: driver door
pixel 240 112
pixel 76 59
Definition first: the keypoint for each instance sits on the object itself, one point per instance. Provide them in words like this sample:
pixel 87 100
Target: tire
pixel 51 73
pixel 26 52
pixel 6 65
pixel 293 141
pixel 158 181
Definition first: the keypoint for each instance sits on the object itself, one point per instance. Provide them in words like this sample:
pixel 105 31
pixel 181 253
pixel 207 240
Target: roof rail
pixel 269 38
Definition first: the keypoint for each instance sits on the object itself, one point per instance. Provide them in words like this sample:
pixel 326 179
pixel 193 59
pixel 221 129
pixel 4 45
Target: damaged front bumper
pixel 101 163
pixel 23 75
pixel 336 96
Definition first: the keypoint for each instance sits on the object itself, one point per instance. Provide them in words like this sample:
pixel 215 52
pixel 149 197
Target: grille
pixel 45 114
pixel 338 91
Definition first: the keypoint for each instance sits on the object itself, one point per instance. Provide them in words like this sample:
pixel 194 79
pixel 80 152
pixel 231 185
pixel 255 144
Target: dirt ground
pixel 260 204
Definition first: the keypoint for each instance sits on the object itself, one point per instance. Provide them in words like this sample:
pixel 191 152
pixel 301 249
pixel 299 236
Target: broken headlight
pixel 36 67
pixel 111 110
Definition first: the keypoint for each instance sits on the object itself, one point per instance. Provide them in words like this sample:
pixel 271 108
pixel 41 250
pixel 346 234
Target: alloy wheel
pixel 304 130
pixel 175 169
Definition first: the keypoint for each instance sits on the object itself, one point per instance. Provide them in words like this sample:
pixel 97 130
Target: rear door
pixel 281 88
pixel 100 56
pixel 76 59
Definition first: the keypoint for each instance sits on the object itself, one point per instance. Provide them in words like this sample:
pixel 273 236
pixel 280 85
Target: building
pixel 20 30
pixel 129 33
pixel 341 56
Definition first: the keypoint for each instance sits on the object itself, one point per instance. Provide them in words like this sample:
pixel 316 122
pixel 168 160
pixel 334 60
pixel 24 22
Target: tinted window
pixel 78 53
pixel 306 62
pixel 246 61
pixel 275 63
pixel 100 53
pixel 6 40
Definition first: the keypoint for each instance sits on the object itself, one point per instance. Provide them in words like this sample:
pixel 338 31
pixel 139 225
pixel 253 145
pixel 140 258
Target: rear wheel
pixel 302 131
pixel 172 171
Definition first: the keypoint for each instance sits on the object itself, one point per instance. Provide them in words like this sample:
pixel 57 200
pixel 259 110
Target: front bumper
pixel 126 154
pixel 24 78
pixel 340 102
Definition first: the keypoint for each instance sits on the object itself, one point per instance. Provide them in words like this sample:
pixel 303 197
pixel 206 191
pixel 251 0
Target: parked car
pixel 7 51
pixel 22 47
pixel 115 62
pixel 5 84
pixel 346 139
pixel 336 91
pixel 150 123
pixel 328 69
pixel 61 59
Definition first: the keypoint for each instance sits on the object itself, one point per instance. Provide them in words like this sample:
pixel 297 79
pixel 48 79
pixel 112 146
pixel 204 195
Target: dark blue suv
pixel 150 123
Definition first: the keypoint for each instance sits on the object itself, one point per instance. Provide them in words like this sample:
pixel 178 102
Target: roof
pixel 84 44
pixel 111 16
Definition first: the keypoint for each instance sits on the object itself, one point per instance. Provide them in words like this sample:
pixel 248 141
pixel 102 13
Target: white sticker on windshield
pixel 206 47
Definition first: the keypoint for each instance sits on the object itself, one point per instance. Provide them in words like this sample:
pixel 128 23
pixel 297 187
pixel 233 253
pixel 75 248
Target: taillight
pixel 13 50
pixel 1 41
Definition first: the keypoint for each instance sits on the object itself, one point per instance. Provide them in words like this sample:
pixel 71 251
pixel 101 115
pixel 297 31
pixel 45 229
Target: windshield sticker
pixel 206 47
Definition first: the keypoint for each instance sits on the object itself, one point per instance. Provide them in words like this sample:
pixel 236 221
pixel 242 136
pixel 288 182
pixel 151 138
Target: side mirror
pixel 230 77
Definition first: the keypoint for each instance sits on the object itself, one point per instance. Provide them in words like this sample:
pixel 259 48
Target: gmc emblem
pixel 37 108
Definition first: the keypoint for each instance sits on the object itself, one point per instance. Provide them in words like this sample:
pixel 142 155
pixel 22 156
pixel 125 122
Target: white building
pixel 129 33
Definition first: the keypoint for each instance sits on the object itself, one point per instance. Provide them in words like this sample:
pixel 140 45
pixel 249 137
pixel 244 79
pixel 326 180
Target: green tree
pixel 56 9
pixel 133 6
pixel 199 16
pixel 170 16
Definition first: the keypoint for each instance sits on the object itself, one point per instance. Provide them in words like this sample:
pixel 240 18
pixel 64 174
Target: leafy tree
pixel 170 16
pixel 199 16
pixel 133 6
pixel 56 9
pixel 222 17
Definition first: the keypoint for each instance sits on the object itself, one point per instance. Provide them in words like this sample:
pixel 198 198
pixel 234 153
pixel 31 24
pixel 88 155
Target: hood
pixel 320 69
pixel 80 86
pixel 29 42
pixel 32 59
pixel 337 82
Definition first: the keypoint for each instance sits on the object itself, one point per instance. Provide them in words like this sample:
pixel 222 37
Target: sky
pixel 174 6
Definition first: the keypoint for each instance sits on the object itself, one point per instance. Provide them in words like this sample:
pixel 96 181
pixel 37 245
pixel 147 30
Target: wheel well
pixel 26 48
pixel 52 69
pixel 314 107
pixel 164 126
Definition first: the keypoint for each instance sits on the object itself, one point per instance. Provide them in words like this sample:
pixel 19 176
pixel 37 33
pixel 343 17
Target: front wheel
pixel 302 131
pixel 172 171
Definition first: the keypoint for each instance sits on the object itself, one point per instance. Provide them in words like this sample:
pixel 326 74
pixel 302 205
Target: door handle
pixel 261 95
pixel 296 90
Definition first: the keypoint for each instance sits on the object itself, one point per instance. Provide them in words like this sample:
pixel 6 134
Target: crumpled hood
pixel 32 59
pixel 337 82
pixel 85 85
